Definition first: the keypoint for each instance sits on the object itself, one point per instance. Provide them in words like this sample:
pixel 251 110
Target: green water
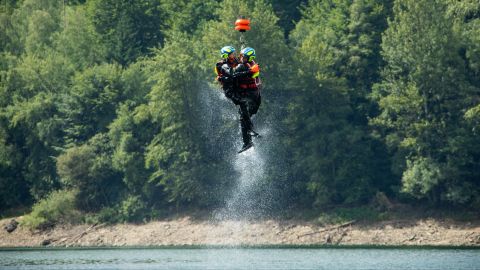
pixel 249 258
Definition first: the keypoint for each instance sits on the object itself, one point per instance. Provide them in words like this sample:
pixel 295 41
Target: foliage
pixel 422 98
pixel 85 49
pixel 133 209
pixel 88 168
pixel 13 191
pixel 172 154
pixel 128 28
pixel 186 15
pixel 113 99
pixel 420 176
pixel 90 104
pixel 342 215
pixel 337 59
pixel 288 12
pixel 57 208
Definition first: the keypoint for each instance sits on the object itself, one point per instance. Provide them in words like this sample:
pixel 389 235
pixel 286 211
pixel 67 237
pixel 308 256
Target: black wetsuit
pixel 239 86
pixel 249 100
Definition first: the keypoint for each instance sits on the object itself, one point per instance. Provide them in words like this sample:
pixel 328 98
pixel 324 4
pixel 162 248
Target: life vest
pixel 220 71
pixel 250 81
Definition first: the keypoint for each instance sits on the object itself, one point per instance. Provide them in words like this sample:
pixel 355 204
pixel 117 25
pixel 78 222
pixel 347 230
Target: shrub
pixel 88 169
pixel 421 176
pixel 57 208
pixel 340 215
pixel 133 209
pixel 107 215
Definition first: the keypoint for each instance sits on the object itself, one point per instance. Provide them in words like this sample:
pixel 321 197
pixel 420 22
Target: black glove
pixel 239 74
pixel 225 79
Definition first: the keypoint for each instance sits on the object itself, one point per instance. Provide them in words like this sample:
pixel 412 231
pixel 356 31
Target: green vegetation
pixel 353 214
pixel 58 207
pixel 100 106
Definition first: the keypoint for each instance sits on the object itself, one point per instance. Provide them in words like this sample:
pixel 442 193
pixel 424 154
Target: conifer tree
pixel 338 58
pixel 128 28
pixel 423 97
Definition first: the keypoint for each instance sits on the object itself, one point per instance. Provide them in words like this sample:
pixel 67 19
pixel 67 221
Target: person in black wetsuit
pixel 240 83
pixel 224 71
pixel 246 74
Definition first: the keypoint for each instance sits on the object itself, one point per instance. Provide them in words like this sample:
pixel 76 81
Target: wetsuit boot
pixel 255 134
pixel 247 138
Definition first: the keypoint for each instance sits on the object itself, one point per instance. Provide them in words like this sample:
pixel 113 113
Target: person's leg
pixel 245 121
pixel 253 102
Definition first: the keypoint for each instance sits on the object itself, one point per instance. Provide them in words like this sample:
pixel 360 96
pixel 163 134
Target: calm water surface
pixel 264 258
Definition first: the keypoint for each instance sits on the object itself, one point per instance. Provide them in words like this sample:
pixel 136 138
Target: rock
pixel 381 202
pixel 477 239
pixel 328 239
pixel 46 242
pixel 12 226
pixel 63 240
pixel 412 238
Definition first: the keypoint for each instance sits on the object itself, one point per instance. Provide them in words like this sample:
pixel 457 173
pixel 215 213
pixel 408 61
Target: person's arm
pixel 247 71
pixel 240 71
pixel 218 71
pixel 255 70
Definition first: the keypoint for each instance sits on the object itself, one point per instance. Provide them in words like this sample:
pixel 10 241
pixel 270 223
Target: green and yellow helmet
pixel 226 51
pixel 248 53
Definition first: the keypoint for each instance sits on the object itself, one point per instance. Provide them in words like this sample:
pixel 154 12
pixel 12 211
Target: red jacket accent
pixel 247 82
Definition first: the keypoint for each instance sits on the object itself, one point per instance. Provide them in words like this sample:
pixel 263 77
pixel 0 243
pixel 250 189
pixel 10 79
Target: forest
pixel 104 109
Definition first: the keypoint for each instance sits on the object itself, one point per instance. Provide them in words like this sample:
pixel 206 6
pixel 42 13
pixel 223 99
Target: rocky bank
pixel 188 231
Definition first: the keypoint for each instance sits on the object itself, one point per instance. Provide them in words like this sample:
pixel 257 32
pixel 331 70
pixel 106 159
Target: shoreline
pixel 188 232
pixel 420 247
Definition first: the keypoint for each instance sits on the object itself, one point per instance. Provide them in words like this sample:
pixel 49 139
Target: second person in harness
pixel 246 74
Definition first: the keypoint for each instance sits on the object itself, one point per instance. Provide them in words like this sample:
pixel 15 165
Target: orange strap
pixel 255 68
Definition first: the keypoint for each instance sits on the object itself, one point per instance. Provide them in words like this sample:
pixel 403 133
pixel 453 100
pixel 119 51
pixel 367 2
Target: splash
pixel 244 202
pixel 248 197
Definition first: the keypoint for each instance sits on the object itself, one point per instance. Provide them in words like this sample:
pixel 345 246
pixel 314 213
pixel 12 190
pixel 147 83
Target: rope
pixel 242 41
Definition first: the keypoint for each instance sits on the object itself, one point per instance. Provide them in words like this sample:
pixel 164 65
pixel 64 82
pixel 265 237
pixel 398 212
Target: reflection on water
pixel 186 258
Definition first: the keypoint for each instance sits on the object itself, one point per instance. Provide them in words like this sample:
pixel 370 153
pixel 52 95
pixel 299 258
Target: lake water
pixel 246 258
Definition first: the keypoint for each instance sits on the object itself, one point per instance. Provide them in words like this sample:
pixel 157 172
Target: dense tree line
pixel 99 99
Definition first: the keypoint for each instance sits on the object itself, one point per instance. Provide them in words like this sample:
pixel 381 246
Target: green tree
pixel 14 191
pixel 78 41
pixel 132 131
pixel 186 16
pixel 348 34
pixel 288 13
pixel 337 59
pixel 89 106
pixel 33 21
pixel 6 29
pixel 128 28
pixel 422 98
pixel 173 154
pixel 88 169
pixel 33 87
